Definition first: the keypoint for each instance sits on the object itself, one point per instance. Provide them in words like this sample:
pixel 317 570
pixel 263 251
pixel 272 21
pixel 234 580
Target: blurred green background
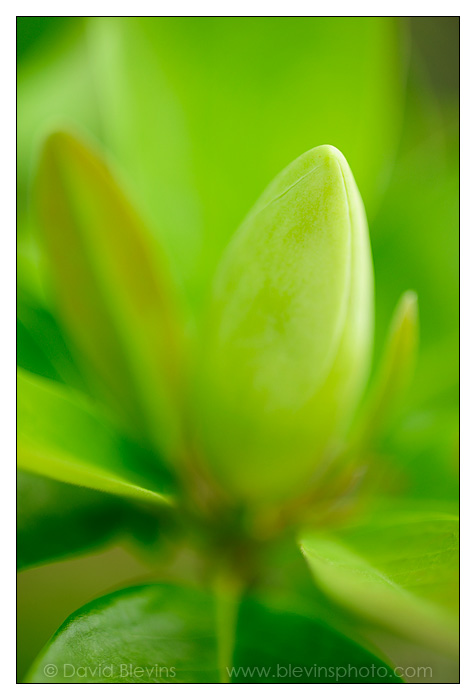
pixel 198 115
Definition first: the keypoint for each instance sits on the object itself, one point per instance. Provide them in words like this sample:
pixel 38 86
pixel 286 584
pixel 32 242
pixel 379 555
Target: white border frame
pixel 468 315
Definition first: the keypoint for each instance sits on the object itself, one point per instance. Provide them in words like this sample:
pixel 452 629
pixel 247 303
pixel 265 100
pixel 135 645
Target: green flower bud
pixel 289 332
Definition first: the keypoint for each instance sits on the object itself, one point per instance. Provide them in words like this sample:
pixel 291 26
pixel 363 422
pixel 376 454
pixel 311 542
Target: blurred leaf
pixel 60 435
pixel 41 348
pixel 171 634
pixel 56 520
pixel 398 570
pixel 31 273
pixel 31 357
pixel 114 301
pixel 297 649
pixel 203 112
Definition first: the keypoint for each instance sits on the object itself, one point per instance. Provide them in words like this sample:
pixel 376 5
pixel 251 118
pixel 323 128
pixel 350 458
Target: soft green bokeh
pixel 200 114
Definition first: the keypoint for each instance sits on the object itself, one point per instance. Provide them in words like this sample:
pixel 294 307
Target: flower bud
pixel 288 336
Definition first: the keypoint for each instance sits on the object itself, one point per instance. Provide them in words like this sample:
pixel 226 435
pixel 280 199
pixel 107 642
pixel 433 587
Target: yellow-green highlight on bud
pixel 394 373
pixel 289 334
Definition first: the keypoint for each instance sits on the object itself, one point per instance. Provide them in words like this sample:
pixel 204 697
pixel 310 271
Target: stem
pixel 228 594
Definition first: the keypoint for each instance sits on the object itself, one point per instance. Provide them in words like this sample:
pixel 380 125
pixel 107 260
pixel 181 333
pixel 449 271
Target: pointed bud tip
pixel 328 168
pixel 320 167
pixel 54 140
pixel 405 323
pixel 326 150
pixel 53 146
pixel 60 140
pixel 408 306
pixel 329 155
pixel 326 155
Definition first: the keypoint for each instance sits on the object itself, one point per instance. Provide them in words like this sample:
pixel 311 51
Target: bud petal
pixel 113 296
pixel 394 373
pixel 289 331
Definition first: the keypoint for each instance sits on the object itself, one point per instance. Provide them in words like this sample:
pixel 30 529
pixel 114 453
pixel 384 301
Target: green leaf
pixel 398 570
pixel 113 298
pixel 62 436
pixel 165 634
pixel 290 328
pixel 56 520
pixel 41 347
pixel 31 357
pixel 289 648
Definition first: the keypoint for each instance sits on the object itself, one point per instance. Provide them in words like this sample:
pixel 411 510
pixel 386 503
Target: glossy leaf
pixel 165 634
pixel 60 435
pixel 398 570
pixel 114 300
pixel 289 333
